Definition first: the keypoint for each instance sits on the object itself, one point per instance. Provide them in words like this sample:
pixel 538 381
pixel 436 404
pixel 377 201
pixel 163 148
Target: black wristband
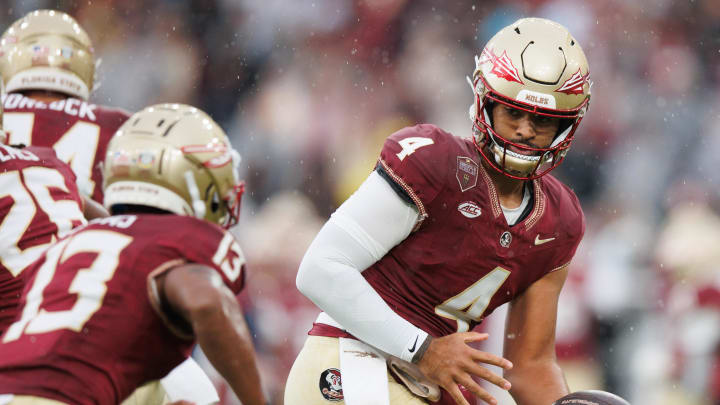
pixel 421 350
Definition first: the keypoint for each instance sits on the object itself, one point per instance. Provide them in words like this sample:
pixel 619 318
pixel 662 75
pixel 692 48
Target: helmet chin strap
pixel 197 204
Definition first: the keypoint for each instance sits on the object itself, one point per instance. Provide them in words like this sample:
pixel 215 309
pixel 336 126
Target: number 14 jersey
pixel 463 260
pixel 79 132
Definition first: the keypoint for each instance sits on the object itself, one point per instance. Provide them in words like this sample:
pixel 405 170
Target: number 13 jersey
pixel 463 260
pixel 92 326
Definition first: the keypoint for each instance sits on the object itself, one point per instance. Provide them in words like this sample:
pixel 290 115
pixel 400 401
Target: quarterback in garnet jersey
pixel 121 302
pixel 39 203
pixel 48 68
pixel 445 230
pixel 466 231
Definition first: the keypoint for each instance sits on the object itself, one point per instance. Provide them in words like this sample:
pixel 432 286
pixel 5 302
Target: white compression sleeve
pixel 370 223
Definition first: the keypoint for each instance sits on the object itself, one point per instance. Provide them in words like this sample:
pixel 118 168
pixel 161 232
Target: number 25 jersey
pixel 463 260
pixel 39 203
pixel 93 327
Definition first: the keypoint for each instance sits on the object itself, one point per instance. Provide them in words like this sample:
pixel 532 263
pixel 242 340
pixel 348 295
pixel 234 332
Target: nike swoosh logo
pixel 539 241
pixel 412 349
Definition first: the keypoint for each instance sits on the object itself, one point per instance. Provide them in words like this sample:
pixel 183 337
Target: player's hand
pixel 449 361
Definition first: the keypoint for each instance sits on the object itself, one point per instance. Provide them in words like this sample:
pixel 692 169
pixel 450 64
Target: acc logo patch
pixel 331 385
pixel 467 173
pixel 469 209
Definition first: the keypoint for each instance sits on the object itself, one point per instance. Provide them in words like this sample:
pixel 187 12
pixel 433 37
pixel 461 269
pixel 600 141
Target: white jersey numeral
pixel 77 146
pixel 411 144
pixel 229 257
pixel 89 283
pixel 37 183
pixel 470 304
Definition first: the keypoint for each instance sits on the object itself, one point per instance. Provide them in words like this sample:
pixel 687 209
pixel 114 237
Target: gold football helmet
pixel 174 157
pixel 47 50
pixel 534 65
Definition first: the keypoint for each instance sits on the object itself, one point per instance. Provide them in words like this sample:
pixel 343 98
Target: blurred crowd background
pixel 308 90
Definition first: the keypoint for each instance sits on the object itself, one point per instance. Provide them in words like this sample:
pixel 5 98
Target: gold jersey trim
pixel 494 200
pixel 539 209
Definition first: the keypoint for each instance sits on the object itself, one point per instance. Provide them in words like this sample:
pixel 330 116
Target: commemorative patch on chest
pixel 331 385
pixel 467 173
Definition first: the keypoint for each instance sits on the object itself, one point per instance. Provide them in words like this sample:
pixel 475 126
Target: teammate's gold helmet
pixel 47 50
pixel 534 65
pixel 174 157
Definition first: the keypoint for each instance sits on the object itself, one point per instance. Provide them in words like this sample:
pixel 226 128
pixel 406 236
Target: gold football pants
pixel 308 377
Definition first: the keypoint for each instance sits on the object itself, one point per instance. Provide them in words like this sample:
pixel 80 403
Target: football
pixel 591 397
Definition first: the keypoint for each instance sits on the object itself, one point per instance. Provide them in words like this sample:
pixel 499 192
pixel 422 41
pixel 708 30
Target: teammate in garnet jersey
pixel 445 230
pixel 48 67
pixel 121 301
pixel 39 203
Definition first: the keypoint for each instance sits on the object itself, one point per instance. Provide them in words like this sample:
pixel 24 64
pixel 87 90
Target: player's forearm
pixel 221 331
pixel 539 383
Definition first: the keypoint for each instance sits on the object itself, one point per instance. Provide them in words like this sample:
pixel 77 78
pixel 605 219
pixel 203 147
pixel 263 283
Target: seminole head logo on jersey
pixel 331 385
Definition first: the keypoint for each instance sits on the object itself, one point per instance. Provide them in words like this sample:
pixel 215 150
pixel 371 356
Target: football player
pixel 121 301
pixel 47 63
pixel 48 66
pixel 445 230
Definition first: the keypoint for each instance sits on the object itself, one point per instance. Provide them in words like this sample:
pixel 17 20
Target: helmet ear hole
pixel 213 198
pixel 215 202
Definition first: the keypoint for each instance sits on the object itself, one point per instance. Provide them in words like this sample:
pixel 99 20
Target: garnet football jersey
pixel 92 327
pixel 39 202
pixel 463 260
pixel 78 131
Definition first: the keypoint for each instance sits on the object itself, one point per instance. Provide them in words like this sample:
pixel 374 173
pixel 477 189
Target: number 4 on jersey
pixel 470 304
pixel 411 144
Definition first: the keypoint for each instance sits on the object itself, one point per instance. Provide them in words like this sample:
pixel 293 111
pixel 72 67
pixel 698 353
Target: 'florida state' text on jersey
pixel 92 327
pixel 464 260
pixel 78 131
pixel 39 203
